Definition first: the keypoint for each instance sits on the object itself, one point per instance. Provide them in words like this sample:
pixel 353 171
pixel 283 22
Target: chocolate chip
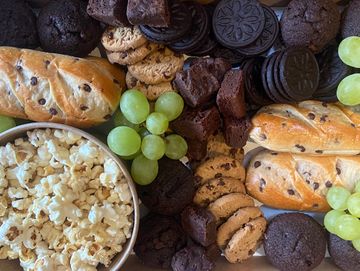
pixel 338 171
pixel 315 205
pixel 307 181
pixel 53 111
pixel 353 125
pixel 328 184
pixel 274 153
pixel 323 118
pixel 316 186
pixel 324 104
pixel 218 175
pixel 87 88
pixel 262 184
pixel 42 101
pixel 257 164
pixel 111 35
pixel 18 67
pixel 221 182
pixel 47 63
pixel 84 107
pixel 291 192
pixel 301 148
pixel 268 168
pixel 311 116
pixel 116 81
pixel 226 166
pixel 33 81
pixel 107 117
pixel 283 125
pixel 263 137
pixel 319 151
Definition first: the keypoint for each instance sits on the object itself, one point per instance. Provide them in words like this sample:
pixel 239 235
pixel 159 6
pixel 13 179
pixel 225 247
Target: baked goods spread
pixel 180 90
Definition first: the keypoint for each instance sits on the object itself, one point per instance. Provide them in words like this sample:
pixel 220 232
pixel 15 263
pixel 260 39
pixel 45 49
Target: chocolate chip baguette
pixel 299 182
pixel 49 87
pixel 309 127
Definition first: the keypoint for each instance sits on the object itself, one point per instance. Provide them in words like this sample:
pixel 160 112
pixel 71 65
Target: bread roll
pixel 309 127
pixel 49 87
pixel 299 182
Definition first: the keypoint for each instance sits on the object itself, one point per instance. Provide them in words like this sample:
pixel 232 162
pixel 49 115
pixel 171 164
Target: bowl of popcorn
pixel 66 201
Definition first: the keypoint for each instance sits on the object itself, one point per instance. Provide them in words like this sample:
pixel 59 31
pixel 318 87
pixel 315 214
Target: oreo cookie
pixel 199 30
pixel 179 26
pixel 238 23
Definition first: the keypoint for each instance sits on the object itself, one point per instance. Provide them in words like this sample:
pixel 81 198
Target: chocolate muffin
pixel 159 238
pixel 38 3
pixel 171 191
pixel 350 20
pixel 295 242
pixel 310 23
pixel 65 28
pixel 17 25
pixel 343 253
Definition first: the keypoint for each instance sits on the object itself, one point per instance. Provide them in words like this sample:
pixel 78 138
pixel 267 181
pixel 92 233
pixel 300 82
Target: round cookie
pixel 152 92
pixel 343 253
pixel 350 20
pixel 171 191
pixel 122 38
pixel 216 146
pixel 132 56
pixel 64 27
pixel 17 25
pixel 158 67
pixel 310 23
pixel 294 242
pixel 158 240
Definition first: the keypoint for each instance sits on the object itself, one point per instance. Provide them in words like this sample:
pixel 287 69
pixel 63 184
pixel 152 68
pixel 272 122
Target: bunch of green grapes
pixel 344 220
pixel 348 91
pixel 140 135
pixel 6 123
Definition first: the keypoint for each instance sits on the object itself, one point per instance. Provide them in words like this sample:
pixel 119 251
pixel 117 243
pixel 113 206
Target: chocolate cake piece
pixel 111 12
pixel 199 224
pixel 196 149
pixel 231 96
pixel 197 123
pixel 216 66
pixel 196 85
pixel 154 13
pixel 192 258
pixel 236 131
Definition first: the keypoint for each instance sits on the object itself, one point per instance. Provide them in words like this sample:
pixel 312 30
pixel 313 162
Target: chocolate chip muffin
pixel 350 20
pixel 310 23
pixel 158 240
pixel 64 27
pixel 343 253
pixel 17 25
pixel 295 242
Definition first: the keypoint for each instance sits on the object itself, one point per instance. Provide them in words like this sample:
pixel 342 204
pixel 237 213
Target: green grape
pixel 153 147
pixel 357 187
pixel 337 197
pixel 176 147
pixel 347 227
pixel 124 141
pixel 131 157
pixel 170 104
pixel 135 106
pixel 120 120
pixel 353 204
pixel 330 220
pixel 143 132
pixel 349 51
pixel 6 123
pixel 356 244
pixel 143 170
pixel 157 123
pixel 348 91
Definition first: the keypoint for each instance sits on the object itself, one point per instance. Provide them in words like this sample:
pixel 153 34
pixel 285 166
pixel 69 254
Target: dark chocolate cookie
pixel 350 20
pixel 158 240
pixel 294 242
pixel 238 23
pixel 198 32
pixel 267 37
pixel 172 190
pixel 65 28
pixel 17 25
pixel 192 258
pixel 343 253
pixel 179 26
pixel 310 23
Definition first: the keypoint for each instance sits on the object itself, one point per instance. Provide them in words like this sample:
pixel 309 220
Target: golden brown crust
pixel 58 88
pixel 299 182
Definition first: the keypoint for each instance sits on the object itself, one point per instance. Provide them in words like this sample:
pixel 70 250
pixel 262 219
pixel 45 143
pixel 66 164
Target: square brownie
pixel 111 12
pixel 236 131
pixel 154 13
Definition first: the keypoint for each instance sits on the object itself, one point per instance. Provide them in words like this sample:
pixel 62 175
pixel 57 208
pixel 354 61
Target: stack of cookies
pixel 151 67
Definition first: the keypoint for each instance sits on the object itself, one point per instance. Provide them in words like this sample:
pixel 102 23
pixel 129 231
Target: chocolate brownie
pixel 231 96
pixel 159 238
pixel 350 20
pixel 17 25
pixel 65 27
pixel 111 12
pixel 216 66
pixel 199 224
pixel 171 191
pixel 192 258
pixel 236 131
pixel 197 123
pixel 149 12
pixel 310 23
pixel 343 253
pixel 295 242
pixel 196 149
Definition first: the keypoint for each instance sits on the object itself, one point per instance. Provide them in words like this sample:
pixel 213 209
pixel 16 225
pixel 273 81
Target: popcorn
pixel 64 205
